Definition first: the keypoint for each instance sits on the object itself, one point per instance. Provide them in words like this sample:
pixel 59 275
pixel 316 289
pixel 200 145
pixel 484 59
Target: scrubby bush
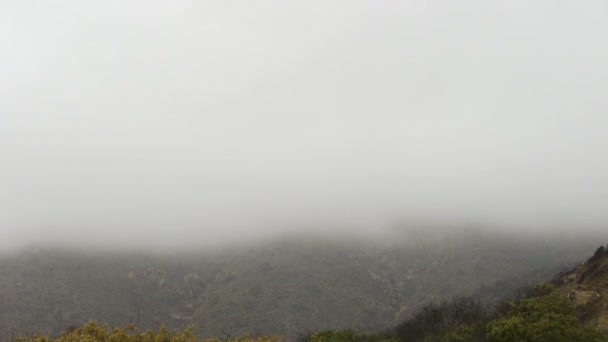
pixel 344 336
pixel 548 317
pixel 461 319
pixel 92 332
pixel 535 314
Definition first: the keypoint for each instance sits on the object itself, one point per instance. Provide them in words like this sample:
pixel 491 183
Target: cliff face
pixel 587 288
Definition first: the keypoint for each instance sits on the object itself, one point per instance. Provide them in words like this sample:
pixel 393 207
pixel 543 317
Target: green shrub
pixel 548 317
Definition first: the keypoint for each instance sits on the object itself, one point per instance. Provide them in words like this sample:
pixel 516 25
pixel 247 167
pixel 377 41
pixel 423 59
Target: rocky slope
pixel 587 287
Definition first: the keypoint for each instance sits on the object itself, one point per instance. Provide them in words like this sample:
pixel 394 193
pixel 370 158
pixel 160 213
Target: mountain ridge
pixel 281 287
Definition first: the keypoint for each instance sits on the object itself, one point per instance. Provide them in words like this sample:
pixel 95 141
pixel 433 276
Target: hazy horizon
pixel 168 123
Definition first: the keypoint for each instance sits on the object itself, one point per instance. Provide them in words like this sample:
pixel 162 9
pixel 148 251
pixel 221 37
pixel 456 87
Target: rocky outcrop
pixel 587 288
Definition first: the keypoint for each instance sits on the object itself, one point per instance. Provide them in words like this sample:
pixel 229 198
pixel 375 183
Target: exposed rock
pixel 589 293
pixel 581 298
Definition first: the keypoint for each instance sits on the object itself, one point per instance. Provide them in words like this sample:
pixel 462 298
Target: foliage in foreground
pixel 460 319
pixel 540 314
pixel 345 336
pixel 92 332
pixel 548 317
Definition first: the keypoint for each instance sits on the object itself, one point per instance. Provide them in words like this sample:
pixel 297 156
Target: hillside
pixel 587 288
pixel 282 287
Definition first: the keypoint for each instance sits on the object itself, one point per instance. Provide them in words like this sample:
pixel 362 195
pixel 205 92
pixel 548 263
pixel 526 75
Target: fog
pixel 204 122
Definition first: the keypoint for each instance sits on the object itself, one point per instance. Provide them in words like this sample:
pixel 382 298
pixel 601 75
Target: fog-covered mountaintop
pixel 165 123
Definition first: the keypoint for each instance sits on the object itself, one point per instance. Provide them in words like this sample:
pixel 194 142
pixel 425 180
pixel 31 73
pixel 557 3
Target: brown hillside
pixel 587 287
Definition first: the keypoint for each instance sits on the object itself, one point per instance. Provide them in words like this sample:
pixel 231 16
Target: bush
pixel 345 336
pixel 461 319
pixel 548 317
pixel 92 332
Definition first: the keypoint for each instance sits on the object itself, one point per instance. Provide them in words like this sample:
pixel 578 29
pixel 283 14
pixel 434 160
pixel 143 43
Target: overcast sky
pixel 193 120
